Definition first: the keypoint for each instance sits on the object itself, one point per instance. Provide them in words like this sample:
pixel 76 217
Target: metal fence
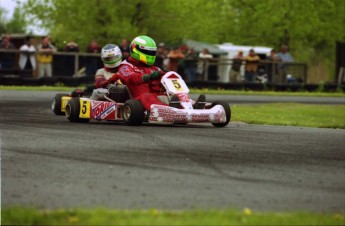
pixel 217 69
pixel 63 64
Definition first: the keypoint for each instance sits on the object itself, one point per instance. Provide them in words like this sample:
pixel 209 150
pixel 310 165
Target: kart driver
pixel 111 57
pixel 139 73
pixel 141 76
pixel 107 76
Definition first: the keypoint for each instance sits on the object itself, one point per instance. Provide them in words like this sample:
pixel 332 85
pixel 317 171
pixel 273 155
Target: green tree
pixel 309 27
pixel 81 21
pixel 18 23
pixel 2 20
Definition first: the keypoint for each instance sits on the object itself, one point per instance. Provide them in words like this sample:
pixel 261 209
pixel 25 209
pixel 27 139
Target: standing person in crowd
pixel 45 58
pixel 142 77
pixel 7 59
pixel 160 56
pixel 175 56
pixel 271 66
pixel 181 62
pixel 92 62
pixel 285 57
pixel 235 71
pixel 252 63
pixel 27 58
pixel 166 59
pixel 124 47
pixel 190 64
pixel 70 47
pixel 204 56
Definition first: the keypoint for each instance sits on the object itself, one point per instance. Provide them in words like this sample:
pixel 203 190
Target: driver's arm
pixel 102 82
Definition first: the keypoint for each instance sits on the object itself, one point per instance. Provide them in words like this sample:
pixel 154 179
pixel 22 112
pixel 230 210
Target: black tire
pixel 227 109
pixel 133 113
pixel 56 104
pixel 73 109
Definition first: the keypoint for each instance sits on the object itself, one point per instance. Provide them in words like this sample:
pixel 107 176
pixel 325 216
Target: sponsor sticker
pixel 100 109
pixel 126 71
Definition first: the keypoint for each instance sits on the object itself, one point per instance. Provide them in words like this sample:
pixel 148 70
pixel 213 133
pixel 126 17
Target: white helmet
pixel 111 55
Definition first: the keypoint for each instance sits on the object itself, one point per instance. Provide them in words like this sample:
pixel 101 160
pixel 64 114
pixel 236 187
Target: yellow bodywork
pixel 64 101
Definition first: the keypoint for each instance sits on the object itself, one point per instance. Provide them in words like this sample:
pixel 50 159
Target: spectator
pixel 190 64
pixel 93 47
pixel 27 58
pixel 7 59
pixel 235 71
pixel 174 57
pixel 271 66
pixel 92 62
pixel 70 47
pixel 252 62
pixel 166 59
pixel 204 55
pixel 181 61
pixel 45 58
pixel 284 56
pixel 124 47
pixel 160 56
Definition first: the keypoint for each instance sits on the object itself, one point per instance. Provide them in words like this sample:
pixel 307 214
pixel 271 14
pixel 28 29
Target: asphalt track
pixel 48 162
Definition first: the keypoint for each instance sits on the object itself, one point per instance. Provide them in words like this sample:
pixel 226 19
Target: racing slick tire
pixel 56 103
pixel 227 109
pixel 73 109
pixel 133 112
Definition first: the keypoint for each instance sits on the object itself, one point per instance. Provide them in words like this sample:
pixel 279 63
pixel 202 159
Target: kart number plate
pixel 85 108
pixel 177 85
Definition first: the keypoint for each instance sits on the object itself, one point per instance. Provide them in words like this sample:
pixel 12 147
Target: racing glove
pixel 153 76
pixel 113 78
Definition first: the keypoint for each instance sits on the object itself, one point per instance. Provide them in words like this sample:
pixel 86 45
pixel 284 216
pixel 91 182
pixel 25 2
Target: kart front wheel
pixel 73 109
pixel 56 104
pixel 227 109
pixel 133 113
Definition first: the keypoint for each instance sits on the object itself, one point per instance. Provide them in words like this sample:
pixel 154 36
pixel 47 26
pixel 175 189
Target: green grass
pixel 266 93
pixel 291 114
pixel 100 216
pixel 193 91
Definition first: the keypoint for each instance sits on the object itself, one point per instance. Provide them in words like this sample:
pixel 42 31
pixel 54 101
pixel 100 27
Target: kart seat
pixel 119 93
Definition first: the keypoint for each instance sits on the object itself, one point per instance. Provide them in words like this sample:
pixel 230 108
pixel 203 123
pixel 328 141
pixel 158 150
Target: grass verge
pixel 193 91
pixel 100 216
pixel 291 114
pixel 266 93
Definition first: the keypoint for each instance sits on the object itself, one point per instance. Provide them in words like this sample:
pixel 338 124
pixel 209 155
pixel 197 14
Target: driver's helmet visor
pixel 151 51
pixel 110 59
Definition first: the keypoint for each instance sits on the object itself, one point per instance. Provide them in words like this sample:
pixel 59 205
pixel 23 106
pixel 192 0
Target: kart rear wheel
pixel 73 109
pixel 133 113
pixel 56 103
pixel 227 109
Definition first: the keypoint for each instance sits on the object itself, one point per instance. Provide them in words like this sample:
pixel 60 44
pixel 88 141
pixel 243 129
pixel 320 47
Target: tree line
pixel 310 27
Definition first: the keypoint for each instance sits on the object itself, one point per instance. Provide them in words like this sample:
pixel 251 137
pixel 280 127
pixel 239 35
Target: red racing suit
pixel 131 72
pixel 105 76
